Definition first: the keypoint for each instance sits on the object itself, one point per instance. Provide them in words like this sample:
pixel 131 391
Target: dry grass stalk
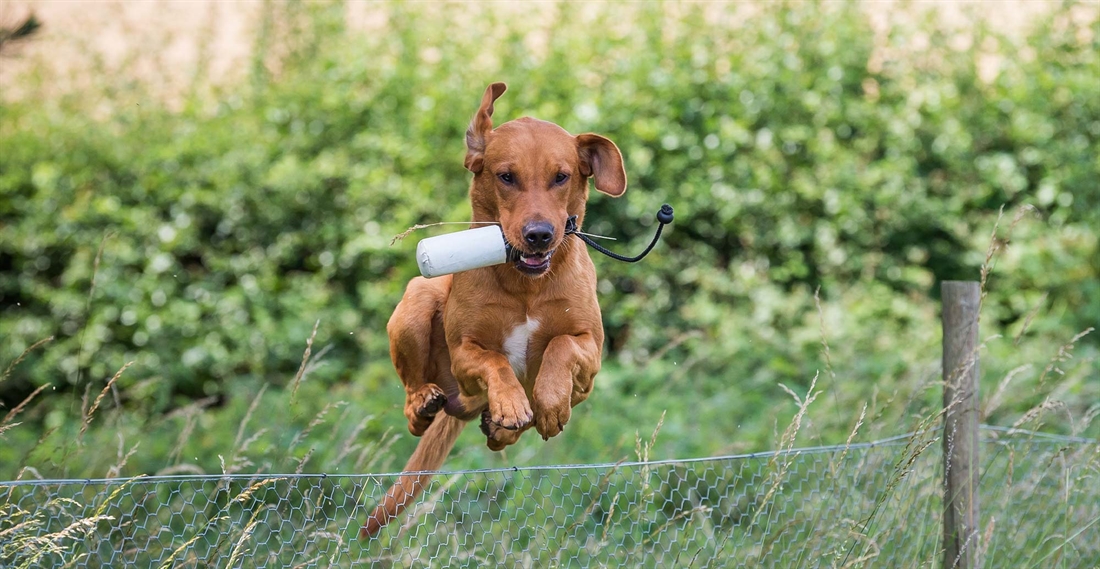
pixel 995 400
pixel 381 456
pixel 602 488
pixel 303 461
pixel 169 562
pixel 824 342
pixel 607 519
pixel 1068 540
pixel 671 345
pixel 22 356
pixel 642 449
pixel 312 562
pixel 429 503
pixel 1028 318
pixel 248 417
pixel 786 444
pixel 653 535
pixel 924 436
pixel 1039 410
pixel 103 506
pixel 770 538
pixel 858 537
pixel 247 492
pixel 184 436
pixel 1086 420
pixel 115 470
pixel 834 466
pixel 190 408
pixel 787 440
pixel 317 420
pixel 88 305
pixel 349 446
pixel 36 547
pixel 419 226
pixel 997 243
pixel 22 405
pixel 248 442
pixel 298 377
pixel 95 404
pixel 7 427
pixel 182 468
pixel 860 561
pixel 963 369
pixel 251 527
pixel 987 538
pixel 1065 352
pixel 191 414
pixel 29 469
pixel 15 529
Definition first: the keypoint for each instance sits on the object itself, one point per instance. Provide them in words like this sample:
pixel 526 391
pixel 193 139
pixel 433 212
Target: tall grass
pixel 712 353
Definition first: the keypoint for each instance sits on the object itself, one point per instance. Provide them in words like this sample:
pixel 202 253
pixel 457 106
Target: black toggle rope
pixel 664 217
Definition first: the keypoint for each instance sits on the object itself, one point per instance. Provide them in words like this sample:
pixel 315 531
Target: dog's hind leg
pixel 415 326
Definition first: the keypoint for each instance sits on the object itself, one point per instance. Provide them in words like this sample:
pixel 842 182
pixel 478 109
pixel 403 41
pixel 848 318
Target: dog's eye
pixel 561 178
pixel 507 178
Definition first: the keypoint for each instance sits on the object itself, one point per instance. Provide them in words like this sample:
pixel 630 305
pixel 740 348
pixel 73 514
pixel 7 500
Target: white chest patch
pixel 515 346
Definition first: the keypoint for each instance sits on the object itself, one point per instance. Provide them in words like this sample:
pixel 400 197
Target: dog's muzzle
pixel 531 264
pixel 534 258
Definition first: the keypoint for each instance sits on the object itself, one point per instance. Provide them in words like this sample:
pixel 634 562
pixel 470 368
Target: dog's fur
pixel 516 344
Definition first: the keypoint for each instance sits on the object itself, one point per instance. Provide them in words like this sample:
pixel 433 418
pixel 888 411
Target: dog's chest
pixel 516 344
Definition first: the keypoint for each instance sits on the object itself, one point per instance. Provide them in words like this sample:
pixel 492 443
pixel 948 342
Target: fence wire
pixel 876 504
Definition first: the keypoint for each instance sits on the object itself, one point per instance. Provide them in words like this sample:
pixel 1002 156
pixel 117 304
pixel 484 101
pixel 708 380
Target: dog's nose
pixel 538 234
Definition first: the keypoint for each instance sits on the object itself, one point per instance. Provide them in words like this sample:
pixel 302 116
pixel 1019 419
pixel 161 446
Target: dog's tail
pixel 430 453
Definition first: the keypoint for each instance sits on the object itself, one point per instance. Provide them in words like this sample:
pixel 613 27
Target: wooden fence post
pixel 961 536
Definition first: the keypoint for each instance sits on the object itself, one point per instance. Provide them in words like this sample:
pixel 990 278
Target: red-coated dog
pixel 516 344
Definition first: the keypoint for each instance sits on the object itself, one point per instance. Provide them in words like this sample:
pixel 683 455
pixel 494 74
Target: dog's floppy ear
pixel 601 159
pixel 480 127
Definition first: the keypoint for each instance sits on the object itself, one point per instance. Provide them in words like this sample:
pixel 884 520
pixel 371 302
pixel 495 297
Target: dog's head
pixel 531 175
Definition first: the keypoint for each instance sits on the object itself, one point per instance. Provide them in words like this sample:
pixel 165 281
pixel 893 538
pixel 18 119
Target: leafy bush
pixel 803 148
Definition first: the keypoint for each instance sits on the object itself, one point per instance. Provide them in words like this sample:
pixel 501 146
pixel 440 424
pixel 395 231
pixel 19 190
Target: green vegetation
pixel 837 506
pixel 827 174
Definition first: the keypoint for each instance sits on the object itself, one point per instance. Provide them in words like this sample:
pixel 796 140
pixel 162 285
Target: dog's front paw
pixel 509 408
pixel 497 437
pixel 421 407
pixel 552 412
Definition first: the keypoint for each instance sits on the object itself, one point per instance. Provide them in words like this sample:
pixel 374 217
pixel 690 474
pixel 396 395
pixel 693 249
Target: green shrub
pixel 803 151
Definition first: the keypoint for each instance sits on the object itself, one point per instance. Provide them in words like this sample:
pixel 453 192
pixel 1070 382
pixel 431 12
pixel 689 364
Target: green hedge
pixel 802 148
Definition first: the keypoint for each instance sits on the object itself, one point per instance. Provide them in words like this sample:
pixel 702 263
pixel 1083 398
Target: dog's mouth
pixel 533 264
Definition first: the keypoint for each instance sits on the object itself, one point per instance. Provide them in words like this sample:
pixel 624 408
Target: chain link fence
pixel 875 504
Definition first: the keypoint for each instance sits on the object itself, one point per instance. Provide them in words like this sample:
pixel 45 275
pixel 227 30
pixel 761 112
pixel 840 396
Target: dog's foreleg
pixel 565 379
pixel 478 370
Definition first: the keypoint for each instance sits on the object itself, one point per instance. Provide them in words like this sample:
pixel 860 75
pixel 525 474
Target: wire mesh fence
pixel 875 504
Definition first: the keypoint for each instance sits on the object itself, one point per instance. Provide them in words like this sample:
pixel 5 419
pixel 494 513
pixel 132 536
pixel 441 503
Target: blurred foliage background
pixel 807 150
